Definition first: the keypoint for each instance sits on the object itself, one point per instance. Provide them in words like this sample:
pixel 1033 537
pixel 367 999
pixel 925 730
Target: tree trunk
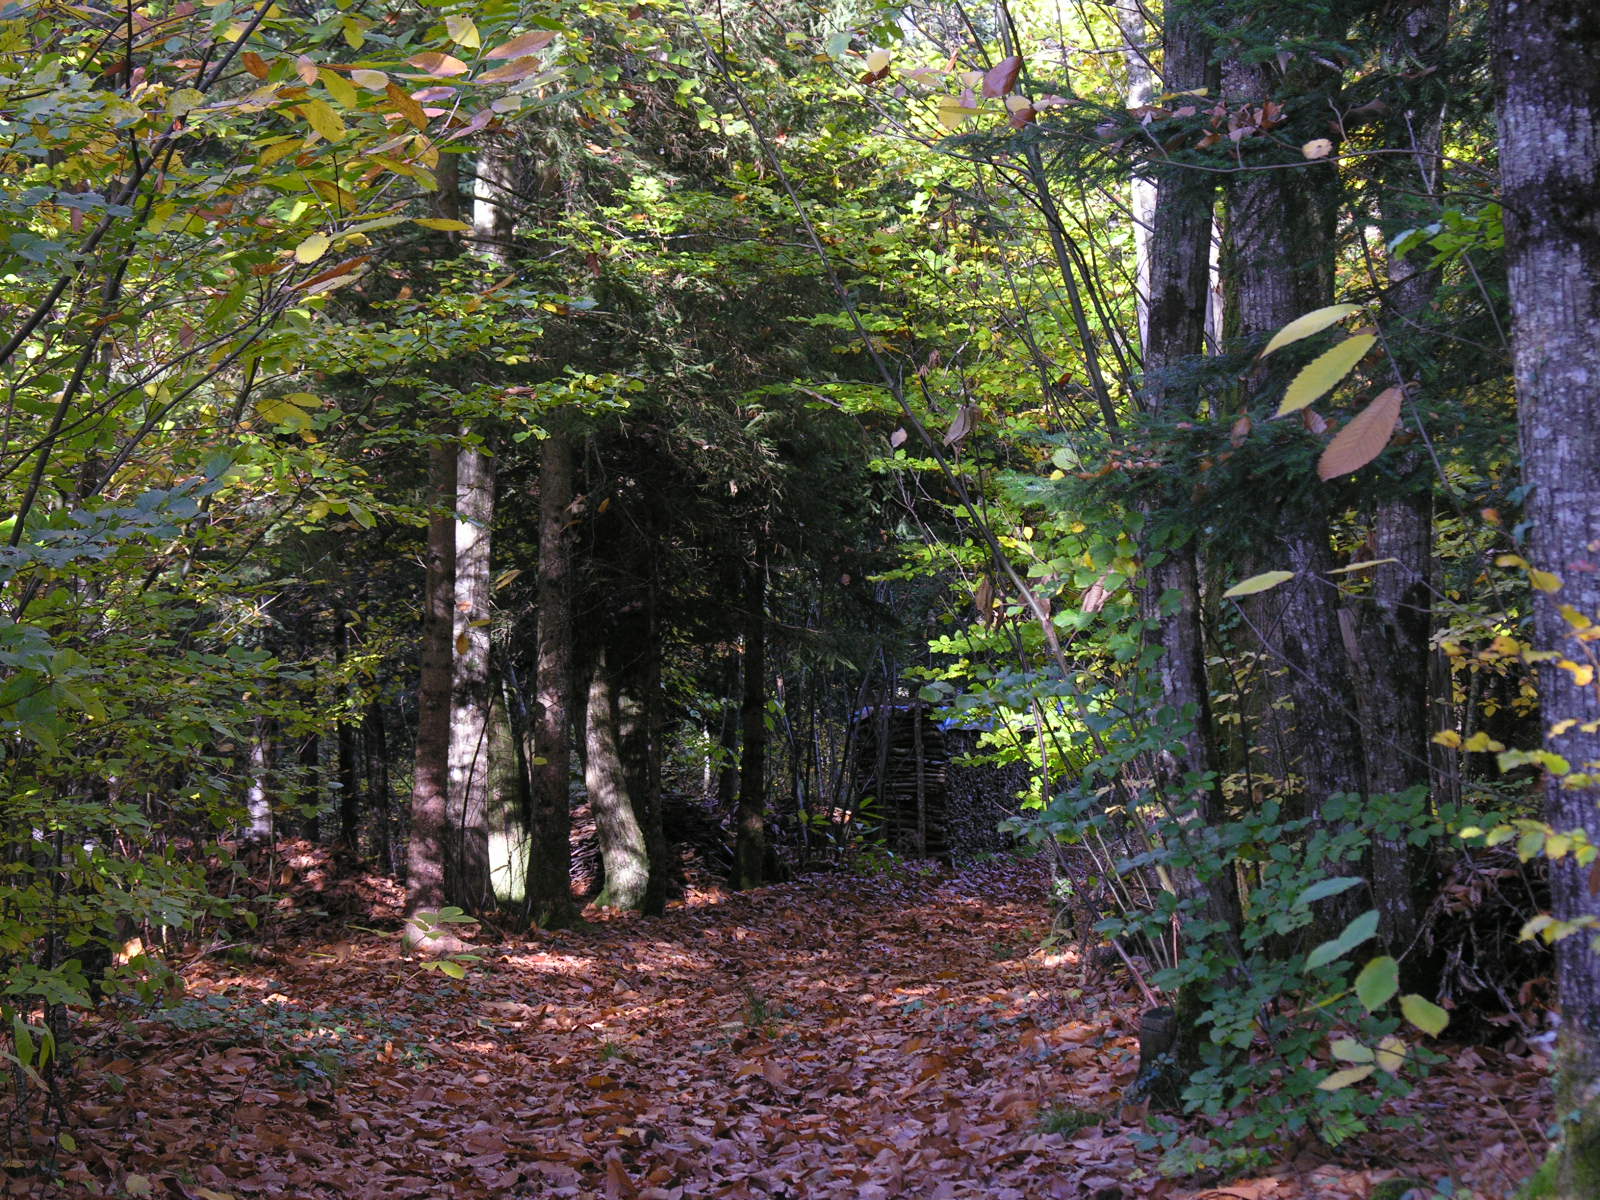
pixel 1142 189
pixel 430 789
pixel 750 845
pixel 622 843
pixel 1549 65
pixel 1281 226
pixel 258 797
pixel 1180 250
pixel 728 737
pixel 641 760
pixel 467 874
pixel 375 749
pixel 550 866
pixel 1394 624
pixel 349 783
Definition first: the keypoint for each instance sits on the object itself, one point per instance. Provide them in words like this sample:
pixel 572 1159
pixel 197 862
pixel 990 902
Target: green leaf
pixel 1324 888
pixel 1263 582
pixel 1349 1050
pixel 1358 931
pixel 453 969
pixel 1304 327
pixel 1323 373
pixel 1378 982
pixel 1424 1014
pixel 1344 1078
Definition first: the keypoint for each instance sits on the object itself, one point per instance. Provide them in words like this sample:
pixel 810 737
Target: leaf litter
pixel 907 1035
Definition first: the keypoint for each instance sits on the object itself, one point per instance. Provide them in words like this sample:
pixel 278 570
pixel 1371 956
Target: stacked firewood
pixel 901 776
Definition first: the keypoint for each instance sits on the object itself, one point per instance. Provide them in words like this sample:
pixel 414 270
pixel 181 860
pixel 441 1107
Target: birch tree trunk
pixel 1549 67
pixel 467 876
pixel 550 865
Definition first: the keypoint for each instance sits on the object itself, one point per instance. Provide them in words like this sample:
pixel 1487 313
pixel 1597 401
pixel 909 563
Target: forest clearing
pixel 899 1036
pixel 792 598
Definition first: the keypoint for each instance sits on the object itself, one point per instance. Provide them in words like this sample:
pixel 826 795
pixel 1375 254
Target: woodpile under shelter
pixel 901 774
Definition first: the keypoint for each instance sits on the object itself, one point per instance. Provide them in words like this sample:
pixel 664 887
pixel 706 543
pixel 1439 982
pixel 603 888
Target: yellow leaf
pixel 462 32
pixel 279 150
pixel 338 87
pixel 1582 673
pixel 1449 738
pixel 1304 327
pixel 313 248
pixel 1391 1054
pixel 1344 1078
pixel 373 81
pixel 1363 437
pixel 527 43
pixel 1481 742
pixel 1257 583
pixel 877 61
pixel 323 119
pixel 444 224
pixel 1317 148
pixel 306 69
pixel 406 106
pixel 1544 580
pixel 1323 373
pixel 952 112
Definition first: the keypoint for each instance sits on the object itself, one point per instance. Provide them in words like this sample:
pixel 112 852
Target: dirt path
pixel 832 1037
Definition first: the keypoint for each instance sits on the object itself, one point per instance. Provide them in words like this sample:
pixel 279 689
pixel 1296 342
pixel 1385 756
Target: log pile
pixel 901 774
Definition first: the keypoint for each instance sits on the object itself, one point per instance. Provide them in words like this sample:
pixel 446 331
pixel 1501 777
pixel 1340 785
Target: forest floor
pixel 895 1036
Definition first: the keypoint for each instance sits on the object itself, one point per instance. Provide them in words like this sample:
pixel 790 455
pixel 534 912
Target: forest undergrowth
pixel 909 1034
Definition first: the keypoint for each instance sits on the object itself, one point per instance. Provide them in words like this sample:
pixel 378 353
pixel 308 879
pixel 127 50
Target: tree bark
pixel 467 873
pixel 1281 225
pixel 349 783
pixel 430 789
pixel 750 845
pixel 622 843
pixel 375 749
pixel 1180 257
pixel 1549 67
pixel 550 865
pixel 1393 648
pixel 258 798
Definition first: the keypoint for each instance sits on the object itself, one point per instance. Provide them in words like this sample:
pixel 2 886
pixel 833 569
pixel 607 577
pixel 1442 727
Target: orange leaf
pixel 1363 437
pixel 1002 77
pixel 526 44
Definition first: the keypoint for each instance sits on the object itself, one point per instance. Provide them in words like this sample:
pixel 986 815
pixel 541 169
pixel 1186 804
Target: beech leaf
pixel 1363 437
pixel 1344 1078
pixel 1424 1014
pixel 522 45
pixel 1304 327
pixel 433 62
pixel 1324 373
pixel 1002 77
pixel 1377 983
pixel 1257 583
